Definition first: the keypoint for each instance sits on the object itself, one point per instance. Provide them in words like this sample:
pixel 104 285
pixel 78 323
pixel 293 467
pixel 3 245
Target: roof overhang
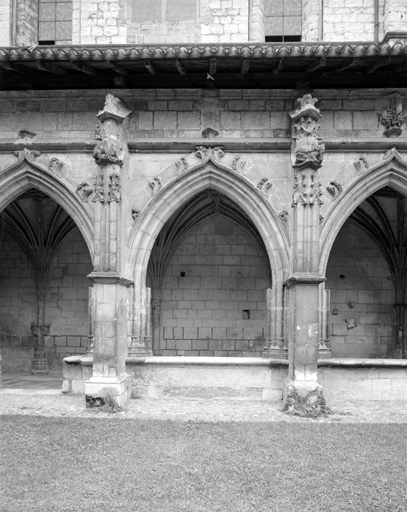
pixel 247 66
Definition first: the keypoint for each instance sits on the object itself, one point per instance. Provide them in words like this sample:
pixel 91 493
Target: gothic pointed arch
pixel 222 180
pixel 209 175
pixel 27 173
pixel 390 172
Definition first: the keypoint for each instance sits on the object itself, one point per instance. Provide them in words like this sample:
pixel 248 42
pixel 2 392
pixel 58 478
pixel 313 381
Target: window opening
pixel 54 22
pixel 283 20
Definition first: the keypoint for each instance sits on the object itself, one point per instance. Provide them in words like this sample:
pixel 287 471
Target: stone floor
pixel 39 395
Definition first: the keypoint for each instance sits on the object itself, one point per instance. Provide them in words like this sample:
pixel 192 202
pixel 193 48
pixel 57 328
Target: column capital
pixel 109 278
pixel 304 279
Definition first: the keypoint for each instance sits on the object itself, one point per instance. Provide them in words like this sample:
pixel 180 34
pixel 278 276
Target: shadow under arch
pixel 25 174
pixel 177 193
pixel 391 172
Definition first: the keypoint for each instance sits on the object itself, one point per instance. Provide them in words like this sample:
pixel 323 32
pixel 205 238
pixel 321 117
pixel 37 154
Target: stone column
pixel 302 393
pixel 110 287
pixel 394 22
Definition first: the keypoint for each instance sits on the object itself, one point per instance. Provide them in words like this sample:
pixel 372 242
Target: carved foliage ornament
pixel 84 190
pixel 156 185
pixel 54 165
pixel 264 186
pixel 114 189
pixel 216 155
pixel 283 216
pixel 362 165
pixel 307 148
pixel 27 154
pixel 99 190
pixel 335 189
pixel 306 190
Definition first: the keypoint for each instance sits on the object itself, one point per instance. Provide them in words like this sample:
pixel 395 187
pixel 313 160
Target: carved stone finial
pixel 392 118
pixel 114 109
pixel 307 148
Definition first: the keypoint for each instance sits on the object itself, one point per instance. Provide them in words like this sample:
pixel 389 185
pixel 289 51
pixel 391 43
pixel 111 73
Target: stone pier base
pixel 304 398
pixel 101 391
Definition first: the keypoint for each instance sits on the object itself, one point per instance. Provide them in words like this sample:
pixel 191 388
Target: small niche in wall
pixel 182 274
pixel 246 314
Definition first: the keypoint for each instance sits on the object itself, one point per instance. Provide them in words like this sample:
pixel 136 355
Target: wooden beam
pixel 50 68
pixel 119 81
pixel 400 69
pixel 83 68
pixel 344 66
pixel 213 65
pixel 245 67
pixel 316 65
pixel 149 65
pixel 279 67
pixel 116 68
pixel 11 67
pixel 180 68
pixel 378 64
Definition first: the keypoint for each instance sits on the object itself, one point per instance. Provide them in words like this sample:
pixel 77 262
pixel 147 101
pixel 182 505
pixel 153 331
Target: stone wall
pixel 251 125
pixel 218 307
pixel 349 21
pixel 362 295
pixel 395 18
pixel 5 22
pixel 214 22
pixel 66 306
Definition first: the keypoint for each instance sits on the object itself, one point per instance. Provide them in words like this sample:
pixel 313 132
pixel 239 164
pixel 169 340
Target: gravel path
pixel 199 409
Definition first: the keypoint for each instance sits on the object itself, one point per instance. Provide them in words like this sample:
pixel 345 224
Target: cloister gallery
pixel 217 218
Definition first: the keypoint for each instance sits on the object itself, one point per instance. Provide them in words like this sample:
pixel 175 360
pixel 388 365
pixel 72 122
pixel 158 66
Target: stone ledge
pixel 363 363
pixel 244 361
pixel 82 360
pixel 205 361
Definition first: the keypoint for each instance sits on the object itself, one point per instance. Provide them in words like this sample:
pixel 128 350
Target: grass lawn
pixel 70 464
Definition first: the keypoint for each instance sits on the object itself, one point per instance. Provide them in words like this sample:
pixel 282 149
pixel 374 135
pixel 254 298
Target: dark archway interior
pixel 366 274
pixel 209 273
pixel 44 262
